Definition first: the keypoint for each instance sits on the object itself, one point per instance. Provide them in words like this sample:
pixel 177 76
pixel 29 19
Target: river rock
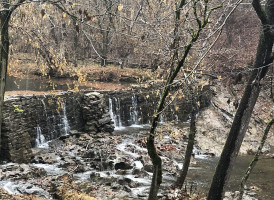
pixel 139 173
pixel 121 172
pixel 127 188
pixel 122 165
pixel 148 168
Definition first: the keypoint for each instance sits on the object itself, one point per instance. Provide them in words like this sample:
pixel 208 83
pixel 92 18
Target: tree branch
pixel 20 2
pixel 260 11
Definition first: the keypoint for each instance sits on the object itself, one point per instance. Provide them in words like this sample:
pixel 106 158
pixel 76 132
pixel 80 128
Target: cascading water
pixel 65 123
pixel 114 111
pixel 111 113
pixel 162 119
pixel 40 141
pixel 134 112
pixel 47 120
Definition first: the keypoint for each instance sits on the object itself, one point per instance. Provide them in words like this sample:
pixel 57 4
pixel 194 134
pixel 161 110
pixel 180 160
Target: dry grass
pixel 6 196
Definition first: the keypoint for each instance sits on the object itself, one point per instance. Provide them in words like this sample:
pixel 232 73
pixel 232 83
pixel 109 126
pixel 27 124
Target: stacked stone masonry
pixel 82 112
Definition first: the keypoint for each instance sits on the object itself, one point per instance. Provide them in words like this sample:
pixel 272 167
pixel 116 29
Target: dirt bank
pixel 214 122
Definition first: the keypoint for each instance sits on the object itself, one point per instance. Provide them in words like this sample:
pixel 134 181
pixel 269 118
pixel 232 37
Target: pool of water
pixel 261 177
pixel 18 84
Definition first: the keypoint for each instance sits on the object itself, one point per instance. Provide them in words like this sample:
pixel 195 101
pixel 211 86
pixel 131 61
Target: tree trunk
pixel 4 54
pixel 255 159
pixel 105 48
pixel 251 93
pixel 155 158
pixel 191 138
pixel 75 43
pixel 157 169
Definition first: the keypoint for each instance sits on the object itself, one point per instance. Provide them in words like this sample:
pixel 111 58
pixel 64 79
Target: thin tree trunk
pixel 251 93
pixel 105 47
pixel 255 159
pixel 75 43
pixel 191 138
pixel 4 54
pixel 156 160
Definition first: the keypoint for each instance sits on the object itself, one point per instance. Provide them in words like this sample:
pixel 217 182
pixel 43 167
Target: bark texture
pixel 156 160
pixel 5 15
pixel 191 138
pixel 251 93
pixel 4 54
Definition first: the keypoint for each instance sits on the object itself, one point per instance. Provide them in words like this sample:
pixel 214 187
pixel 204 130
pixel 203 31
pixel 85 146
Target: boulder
pixel 122 165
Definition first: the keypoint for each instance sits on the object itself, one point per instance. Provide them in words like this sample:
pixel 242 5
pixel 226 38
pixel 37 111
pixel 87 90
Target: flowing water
pixel 262 176
pixel 17 84
pixel 115 112
pixel 65 123
pixel 199 175
pixel 40 141
pixel 134 112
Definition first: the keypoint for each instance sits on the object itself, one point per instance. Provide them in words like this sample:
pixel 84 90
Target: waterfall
pixel 162 119
pixel 111 113
pixel 65 123
pixel 176 117
pixel 47 119
pixel 134 112
pixel 40 141
pixel 114 111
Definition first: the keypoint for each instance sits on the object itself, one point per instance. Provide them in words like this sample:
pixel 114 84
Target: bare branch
pixel 260 12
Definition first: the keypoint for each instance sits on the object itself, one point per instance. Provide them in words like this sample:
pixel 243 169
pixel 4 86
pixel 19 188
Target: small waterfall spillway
pixel 65 123
pixel 162 118
pixel 47 119
pixel 114 111
pixel 134 115
pixel 40 140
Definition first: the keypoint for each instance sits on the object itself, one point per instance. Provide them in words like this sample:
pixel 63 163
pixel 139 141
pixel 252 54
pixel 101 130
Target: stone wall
pixel 55 115
pixel 178 109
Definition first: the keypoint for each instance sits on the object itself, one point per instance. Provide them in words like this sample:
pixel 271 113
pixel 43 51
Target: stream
pixel 120 160
pixel 199 176
pixel 21 84
pixel 262 176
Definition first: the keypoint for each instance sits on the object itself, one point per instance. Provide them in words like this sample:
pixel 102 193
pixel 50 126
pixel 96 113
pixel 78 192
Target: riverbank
pixel 214 122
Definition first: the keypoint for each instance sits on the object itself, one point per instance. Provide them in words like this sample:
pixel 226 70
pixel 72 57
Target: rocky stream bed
pixel 103 166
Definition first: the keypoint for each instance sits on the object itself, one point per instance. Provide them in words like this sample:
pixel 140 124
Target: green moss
pixel 17 109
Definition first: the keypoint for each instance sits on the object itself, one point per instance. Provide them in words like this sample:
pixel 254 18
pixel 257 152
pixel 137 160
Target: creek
pixel 21 84
pixel 124 146
pixel 198 179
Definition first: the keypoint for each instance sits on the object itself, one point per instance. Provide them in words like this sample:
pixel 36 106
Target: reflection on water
pixel 261 177
pixel 17 84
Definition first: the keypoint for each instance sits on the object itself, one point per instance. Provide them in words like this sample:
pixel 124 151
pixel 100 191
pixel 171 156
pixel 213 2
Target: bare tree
pixel 241 120
pixel 201 18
